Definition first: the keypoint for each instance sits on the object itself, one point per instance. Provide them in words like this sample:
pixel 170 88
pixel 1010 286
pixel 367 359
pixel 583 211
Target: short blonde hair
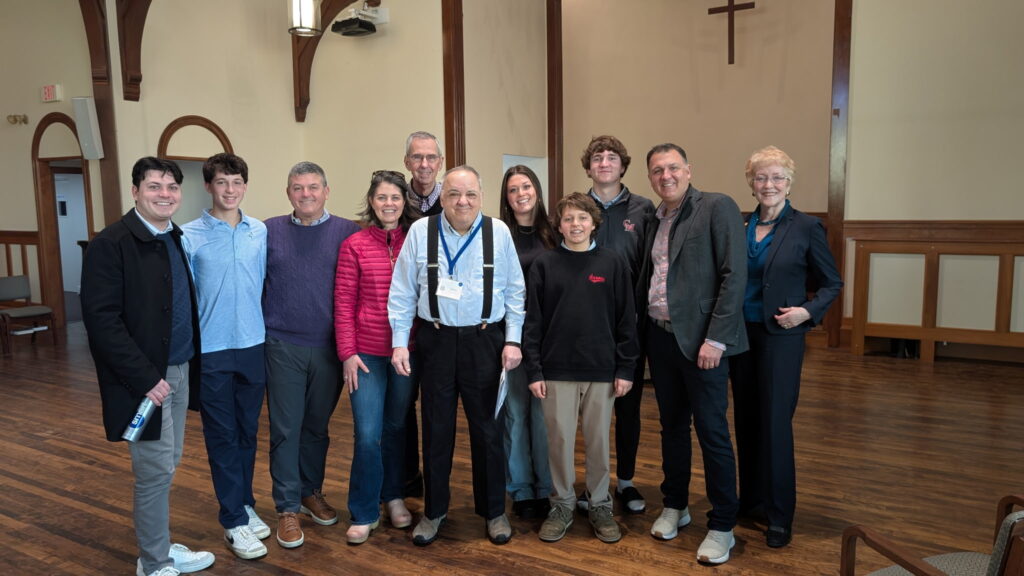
pixel 769 156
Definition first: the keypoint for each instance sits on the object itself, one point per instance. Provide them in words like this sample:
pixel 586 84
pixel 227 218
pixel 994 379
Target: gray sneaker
pixel 715 547
pixel 426 531
pixel 605 527
pixel 558 522
pixel 667 526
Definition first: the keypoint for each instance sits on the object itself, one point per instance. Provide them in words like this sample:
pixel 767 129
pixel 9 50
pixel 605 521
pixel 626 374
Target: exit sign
pixel 52 93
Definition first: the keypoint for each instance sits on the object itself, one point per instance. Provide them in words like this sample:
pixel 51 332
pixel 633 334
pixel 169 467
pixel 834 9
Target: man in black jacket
pixel 139 308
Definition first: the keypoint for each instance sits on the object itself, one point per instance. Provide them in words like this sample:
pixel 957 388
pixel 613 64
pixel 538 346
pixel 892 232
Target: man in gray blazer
pixel 690 303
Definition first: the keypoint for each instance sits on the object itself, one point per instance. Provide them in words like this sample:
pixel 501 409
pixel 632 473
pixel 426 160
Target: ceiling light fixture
pixel 305 17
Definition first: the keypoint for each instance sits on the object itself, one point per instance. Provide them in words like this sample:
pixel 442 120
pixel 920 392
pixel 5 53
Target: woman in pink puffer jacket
pixel 380 397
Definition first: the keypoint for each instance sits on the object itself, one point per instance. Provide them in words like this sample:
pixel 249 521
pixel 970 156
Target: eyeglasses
pixel 778 180
pixel 430 158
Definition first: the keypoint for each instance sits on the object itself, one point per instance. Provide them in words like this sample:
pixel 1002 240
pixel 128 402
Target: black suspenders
pixel 488 239
pixel 432 242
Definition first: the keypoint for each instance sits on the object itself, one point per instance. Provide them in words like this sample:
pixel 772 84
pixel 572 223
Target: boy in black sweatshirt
pixel 580 350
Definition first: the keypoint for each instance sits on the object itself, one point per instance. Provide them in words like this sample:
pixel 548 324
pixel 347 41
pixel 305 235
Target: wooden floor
pixel 920 452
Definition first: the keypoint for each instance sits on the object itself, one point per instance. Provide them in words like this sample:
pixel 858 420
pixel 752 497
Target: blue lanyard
pixel 448 255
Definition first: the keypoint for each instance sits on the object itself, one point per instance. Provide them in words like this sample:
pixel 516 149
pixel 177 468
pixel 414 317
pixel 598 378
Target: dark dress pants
pixel 303 388
pixel 627 425
pixel 233 383
pixel 462 362
pixel 683 391
pixel 765 389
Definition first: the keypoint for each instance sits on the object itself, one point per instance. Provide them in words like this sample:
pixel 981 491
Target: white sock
pixel 623 484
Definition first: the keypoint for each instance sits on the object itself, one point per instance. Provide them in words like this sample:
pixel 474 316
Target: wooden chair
pixel 1006 559
pixel 17 316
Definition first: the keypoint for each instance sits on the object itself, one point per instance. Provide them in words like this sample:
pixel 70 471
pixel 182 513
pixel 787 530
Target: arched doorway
pixel 189 141
pixel 51 280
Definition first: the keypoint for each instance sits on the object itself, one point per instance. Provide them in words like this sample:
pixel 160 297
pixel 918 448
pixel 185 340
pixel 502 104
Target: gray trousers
pixel 153 464
pixel 303 387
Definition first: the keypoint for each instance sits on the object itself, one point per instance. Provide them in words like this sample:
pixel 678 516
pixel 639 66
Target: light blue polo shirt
pixel 228 267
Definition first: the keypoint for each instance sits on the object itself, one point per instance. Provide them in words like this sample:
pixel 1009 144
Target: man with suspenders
pixel 459 273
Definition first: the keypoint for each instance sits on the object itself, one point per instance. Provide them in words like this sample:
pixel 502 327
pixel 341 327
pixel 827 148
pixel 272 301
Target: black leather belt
pixel 499 325
pixel 665 325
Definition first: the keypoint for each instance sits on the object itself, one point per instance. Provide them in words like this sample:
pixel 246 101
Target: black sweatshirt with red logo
pixel 580 317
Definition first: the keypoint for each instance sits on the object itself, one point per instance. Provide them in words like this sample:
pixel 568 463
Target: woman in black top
pixel 526 442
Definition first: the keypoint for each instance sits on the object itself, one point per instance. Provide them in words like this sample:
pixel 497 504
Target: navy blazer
pixel 798 262
pixel 126 306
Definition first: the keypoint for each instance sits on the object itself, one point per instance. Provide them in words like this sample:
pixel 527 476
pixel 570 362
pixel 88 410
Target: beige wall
pixel 506 87
pixel 233 66
pixel 655 70
pixel 52 32
pixel 935 110
pixel 935 125
pixel 367 95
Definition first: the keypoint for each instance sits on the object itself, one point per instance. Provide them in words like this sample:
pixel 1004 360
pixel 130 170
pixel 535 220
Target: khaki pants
pixel 565 403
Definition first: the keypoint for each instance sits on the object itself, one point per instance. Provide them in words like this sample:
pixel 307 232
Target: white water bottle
pixel 139 421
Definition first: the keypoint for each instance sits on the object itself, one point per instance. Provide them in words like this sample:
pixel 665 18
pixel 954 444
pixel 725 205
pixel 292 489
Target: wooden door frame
pixel 51 279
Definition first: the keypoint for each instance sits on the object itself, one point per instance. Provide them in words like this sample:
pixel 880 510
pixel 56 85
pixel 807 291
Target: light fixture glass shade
pixel 305 17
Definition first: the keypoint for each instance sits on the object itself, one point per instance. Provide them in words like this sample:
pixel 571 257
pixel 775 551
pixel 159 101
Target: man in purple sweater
pixel 303 371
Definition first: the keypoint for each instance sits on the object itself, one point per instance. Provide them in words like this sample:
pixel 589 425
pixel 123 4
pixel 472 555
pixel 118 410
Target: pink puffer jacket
pixel 361 284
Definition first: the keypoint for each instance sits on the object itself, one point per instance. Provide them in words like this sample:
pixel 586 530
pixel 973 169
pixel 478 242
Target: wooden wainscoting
pixel 933 239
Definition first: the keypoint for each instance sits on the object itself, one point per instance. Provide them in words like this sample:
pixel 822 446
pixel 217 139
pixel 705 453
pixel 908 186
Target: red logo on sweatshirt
pixel 628 225
pixel 595 279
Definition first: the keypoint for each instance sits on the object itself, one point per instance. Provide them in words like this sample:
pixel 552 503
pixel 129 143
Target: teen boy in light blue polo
pixel 228 253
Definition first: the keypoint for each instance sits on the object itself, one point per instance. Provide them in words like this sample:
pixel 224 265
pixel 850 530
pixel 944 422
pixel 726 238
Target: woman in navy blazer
pixel 787 256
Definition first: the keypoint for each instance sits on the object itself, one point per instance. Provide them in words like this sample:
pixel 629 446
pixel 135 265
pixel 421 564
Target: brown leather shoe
pixel 318 509
pixel 289 530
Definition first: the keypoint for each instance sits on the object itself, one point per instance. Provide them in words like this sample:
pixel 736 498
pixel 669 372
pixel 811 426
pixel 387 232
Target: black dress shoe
pixel 631 500
pixel 778 536
pixel 414 487
pixel 525 509
pixel 542 506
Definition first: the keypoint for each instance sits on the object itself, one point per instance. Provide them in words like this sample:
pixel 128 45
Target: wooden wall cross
pixel 731 8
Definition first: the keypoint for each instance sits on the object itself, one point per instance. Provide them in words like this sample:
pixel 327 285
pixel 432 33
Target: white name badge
pixel 449 288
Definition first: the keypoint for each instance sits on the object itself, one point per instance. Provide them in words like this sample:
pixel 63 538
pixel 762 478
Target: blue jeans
pixel 379 409
pixel 526 441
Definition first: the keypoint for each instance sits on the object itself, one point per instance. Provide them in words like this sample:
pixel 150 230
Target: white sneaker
pixel 256 524
pixel 666 527
pixel 244 543
pixel 165 571
pixel 715 547
pixel 187 561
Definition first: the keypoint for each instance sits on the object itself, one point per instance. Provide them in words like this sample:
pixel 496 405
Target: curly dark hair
pixel 605 143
